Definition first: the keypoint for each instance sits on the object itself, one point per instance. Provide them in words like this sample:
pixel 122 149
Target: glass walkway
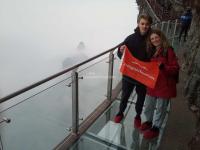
pixel 105 134
pixel 74 109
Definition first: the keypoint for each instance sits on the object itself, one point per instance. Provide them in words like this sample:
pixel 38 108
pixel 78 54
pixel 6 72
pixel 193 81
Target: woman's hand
pixel 161 66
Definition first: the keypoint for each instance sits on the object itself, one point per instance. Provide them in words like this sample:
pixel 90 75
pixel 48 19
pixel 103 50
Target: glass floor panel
pixel 90 142
pixel 118 136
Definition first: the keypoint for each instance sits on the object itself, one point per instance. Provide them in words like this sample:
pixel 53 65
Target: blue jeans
pixel 155 110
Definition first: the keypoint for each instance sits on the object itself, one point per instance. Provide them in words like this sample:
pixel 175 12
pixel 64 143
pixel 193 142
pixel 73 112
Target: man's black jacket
pixel 136 43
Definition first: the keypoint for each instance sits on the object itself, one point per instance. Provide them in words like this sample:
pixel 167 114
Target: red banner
pixel 144 72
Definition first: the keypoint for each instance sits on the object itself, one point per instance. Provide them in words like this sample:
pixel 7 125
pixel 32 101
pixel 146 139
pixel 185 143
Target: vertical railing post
pixel 163 17
pixel 109 85
pixel 110 75
pixel 162 25
pixel 156 25
pixel 174 33
pixel 167 30
pixel 75 108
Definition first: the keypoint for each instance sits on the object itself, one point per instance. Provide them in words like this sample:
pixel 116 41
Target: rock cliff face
pixel 192 51
pixel 192 66
pixel 192 63
pixel 192 55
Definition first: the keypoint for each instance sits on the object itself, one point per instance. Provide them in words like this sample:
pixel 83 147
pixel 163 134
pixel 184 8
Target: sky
pixel 36 36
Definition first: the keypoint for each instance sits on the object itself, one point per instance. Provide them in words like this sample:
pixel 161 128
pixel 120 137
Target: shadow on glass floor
pixel 105 134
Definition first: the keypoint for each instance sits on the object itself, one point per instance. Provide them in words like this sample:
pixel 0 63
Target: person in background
pixel 157 99
pixel 136 43
pixel 186 20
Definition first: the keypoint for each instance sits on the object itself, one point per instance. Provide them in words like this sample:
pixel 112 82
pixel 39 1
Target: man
pixel 186 20
pixel 136 43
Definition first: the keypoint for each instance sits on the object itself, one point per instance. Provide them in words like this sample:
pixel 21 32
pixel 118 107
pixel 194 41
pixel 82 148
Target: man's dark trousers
pixel 127 89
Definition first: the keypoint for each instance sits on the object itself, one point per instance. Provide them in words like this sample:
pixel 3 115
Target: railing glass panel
pixel 170 31
pixel 39 121
pixel 116 73
pixel 87 143
pixel 93 85
pixel 164 26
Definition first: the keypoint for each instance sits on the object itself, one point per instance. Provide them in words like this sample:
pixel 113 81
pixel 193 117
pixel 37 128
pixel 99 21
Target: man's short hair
pixel 146 17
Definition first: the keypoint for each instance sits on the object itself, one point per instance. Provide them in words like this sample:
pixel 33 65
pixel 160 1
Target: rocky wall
pixel 192 67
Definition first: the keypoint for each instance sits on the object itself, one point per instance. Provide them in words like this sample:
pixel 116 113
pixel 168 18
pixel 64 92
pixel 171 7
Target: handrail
pixel 61 73
pixel 152 10
pixel 14 94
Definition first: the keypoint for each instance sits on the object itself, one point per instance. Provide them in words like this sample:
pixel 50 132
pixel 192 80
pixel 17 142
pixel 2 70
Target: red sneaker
pixel 145 126
pixel 137 122
pixel 118 118
pixel 151 133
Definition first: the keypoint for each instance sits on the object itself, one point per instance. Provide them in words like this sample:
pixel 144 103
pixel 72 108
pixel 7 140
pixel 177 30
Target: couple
pixel 148 44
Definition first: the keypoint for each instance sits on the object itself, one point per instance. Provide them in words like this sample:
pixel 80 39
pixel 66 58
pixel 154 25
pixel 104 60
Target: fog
pixel 36 36
pixel 39 38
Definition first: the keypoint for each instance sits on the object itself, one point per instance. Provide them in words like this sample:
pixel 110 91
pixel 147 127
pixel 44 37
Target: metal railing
pixel 75 129
pixel 161 12
pixel 55 75
pixel 169 28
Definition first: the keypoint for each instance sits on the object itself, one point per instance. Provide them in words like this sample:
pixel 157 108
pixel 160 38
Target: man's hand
pixel 122 48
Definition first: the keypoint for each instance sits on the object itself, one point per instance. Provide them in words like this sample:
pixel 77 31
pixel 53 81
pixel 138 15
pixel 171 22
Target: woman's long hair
pixel 164 41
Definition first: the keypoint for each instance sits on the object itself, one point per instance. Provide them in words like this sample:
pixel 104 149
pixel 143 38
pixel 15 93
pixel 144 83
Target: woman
pixel 165 87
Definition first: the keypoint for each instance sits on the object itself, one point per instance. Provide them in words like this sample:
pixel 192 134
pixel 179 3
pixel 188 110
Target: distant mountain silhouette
pixel 75 59
pixel 81 46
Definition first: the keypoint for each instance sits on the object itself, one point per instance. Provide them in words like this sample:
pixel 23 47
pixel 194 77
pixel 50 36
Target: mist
pixel 36 36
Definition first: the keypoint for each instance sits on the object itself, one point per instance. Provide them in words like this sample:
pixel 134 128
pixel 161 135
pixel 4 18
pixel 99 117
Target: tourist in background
pixel 186 20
